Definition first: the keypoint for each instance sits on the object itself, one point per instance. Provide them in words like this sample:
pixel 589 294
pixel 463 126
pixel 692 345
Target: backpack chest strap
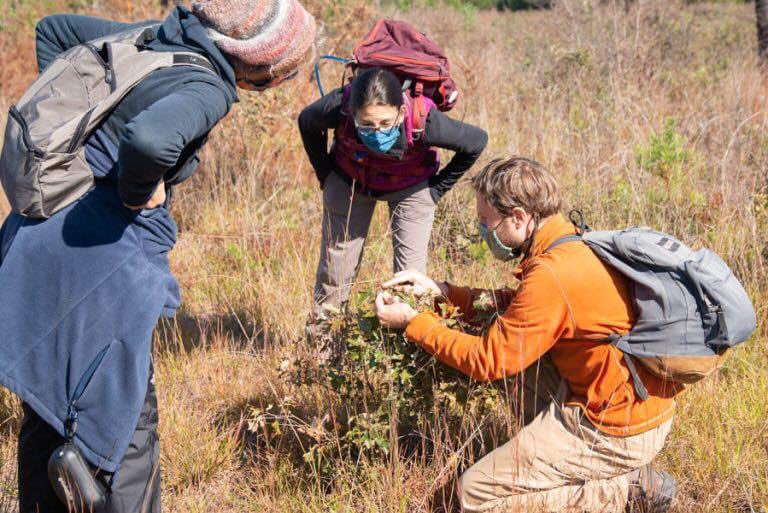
pixel 191 59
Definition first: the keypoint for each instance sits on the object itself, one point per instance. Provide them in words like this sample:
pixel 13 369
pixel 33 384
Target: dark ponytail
pixel 375 86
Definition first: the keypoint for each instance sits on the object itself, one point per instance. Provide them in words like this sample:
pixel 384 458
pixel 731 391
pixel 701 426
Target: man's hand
pixel 393 313
pixel 157 199
pixel 416 283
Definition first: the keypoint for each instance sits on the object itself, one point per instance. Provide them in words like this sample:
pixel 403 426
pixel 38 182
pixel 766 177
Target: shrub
pixel 388 394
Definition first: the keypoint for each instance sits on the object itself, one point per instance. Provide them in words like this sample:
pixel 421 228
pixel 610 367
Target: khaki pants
pixel 346 218
pixel 558 462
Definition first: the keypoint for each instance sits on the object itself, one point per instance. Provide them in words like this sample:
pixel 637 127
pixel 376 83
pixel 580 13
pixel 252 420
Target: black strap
pixel 563 240
pixel 702 300
pixel 576 217
pixel 642 392
pixel 640 389
pixel 193 60
pixel 149 34
pixel 70 425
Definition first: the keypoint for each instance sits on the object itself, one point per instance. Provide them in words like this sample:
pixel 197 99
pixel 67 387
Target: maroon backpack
pixel 419 63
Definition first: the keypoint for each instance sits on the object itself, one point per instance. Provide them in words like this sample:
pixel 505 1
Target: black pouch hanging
pixel 70 475
pixel 74 483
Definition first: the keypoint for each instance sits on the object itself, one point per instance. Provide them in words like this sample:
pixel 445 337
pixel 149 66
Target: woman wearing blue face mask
pixel 379 155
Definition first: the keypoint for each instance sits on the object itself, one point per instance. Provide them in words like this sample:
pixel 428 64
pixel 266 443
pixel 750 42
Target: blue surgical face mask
pixel 380 140
pixel 498 249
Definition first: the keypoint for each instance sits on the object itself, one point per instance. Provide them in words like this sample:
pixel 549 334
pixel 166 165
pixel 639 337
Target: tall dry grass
pixel 653 115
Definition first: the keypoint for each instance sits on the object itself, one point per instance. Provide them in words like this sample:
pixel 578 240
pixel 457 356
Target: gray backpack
pixel 42 165
pixel 690 307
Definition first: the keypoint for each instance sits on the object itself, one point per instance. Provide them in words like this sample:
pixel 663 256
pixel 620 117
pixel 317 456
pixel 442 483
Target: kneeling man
pixel 590 447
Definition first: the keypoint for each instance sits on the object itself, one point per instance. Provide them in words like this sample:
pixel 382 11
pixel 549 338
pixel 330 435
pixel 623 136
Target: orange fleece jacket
pixel 567 302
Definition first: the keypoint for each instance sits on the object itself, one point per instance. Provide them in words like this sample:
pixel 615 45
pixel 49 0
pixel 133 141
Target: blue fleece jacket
pixel 81 292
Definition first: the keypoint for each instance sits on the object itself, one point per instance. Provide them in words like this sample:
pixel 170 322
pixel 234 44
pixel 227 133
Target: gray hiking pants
pixel 347 216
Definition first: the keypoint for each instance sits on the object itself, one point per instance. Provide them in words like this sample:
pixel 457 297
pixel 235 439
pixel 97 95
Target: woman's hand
pixel 393 313
pixel 416 283
pixel 157 199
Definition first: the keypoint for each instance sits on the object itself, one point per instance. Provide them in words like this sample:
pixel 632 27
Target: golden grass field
pixel 654 115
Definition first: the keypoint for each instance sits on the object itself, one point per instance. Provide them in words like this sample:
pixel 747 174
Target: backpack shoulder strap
pixel 577 218
pixel 564 240
pixel 180 58
pixel 346 91
pixel 193 59
pixel 419 107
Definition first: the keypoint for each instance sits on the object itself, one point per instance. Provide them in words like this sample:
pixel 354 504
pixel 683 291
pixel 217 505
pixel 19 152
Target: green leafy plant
pixel 386 382
pixel 388 392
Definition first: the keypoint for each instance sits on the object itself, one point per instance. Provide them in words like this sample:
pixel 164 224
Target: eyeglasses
pixel 272 82
pixel 479 222
pixel 386 130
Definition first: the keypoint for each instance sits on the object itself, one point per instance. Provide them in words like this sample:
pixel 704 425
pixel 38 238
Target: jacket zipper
pixel 85 379
pixel 15 114
pixel 70 424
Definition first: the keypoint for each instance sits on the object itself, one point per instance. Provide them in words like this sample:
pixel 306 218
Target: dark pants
pixel 134 489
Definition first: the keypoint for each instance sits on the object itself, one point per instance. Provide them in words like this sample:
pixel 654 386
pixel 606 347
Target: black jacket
pixel 156 130
pixel 440 131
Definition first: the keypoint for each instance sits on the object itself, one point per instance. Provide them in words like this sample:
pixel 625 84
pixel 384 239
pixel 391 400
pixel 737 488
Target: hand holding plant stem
pixel 392 312
pixel 416 283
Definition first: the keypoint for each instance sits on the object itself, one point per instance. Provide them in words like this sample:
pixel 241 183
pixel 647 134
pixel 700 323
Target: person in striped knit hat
pixel 266 40
pixel 147 145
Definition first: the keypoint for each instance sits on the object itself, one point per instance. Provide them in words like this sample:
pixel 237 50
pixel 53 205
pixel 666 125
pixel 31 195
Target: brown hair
pixel 375 86
pixel 512 182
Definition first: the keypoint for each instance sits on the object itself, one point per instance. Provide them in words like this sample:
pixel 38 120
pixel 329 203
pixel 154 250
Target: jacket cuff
pixel 134 196
pixel 460 297
pixel 421 326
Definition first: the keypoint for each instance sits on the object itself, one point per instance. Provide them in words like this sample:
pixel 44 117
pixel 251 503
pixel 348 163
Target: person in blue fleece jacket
pixel 81 292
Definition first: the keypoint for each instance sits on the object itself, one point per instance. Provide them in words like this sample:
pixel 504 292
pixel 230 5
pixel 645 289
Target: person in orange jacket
pixel 591 442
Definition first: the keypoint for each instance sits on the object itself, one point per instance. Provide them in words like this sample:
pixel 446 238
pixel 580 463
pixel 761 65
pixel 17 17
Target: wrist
pixel 134 195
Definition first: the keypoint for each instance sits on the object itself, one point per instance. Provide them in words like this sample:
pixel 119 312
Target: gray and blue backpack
pixel 43 167
pixel 690 307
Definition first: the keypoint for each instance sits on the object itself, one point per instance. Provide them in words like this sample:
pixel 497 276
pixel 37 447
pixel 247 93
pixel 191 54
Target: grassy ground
pixel 655 116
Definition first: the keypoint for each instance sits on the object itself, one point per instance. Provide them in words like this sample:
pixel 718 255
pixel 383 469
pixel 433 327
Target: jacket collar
pixel 183 29
pixel 554 228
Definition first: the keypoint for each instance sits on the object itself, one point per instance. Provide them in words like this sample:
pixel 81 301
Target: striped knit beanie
pixel 268 37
